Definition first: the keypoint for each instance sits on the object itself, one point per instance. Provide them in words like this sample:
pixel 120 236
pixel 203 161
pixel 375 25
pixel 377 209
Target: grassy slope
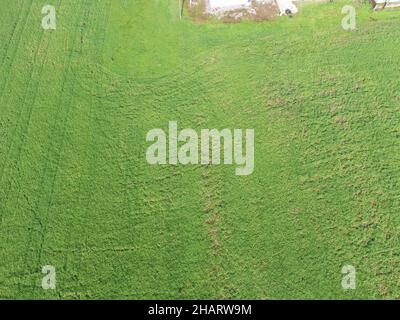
pixel 76 192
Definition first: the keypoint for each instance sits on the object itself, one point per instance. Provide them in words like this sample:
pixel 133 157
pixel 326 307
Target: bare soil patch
pixel 257 12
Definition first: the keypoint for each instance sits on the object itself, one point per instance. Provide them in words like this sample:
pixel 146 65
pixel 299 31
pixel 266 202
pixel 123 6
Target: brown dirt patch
pixel 257 12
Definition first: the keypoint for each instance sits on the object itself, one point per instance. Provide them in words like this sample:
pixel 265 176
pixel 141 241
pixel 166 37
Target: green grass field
pixel 77 193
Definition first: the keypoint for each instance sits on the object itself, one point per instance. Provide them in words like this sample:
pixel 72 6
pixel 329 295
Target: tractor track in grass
pixel 211 193
pixel 25 127
pixel 52 144
pixel 13 31
pixel 14 52
pixel 7 77
pixel 65 120
pixel 96 23
pixel 33 85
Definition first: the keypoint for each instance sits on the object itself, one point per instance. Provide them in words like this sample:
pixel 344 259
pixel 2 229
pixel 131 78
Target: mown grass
pixel 76 191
